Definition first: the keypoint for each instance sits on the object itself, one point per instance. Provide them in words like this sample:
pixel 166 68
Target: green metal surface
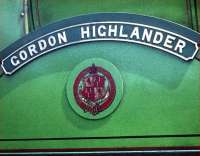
pixel 168 9
pixel 11 23
pixel 161 93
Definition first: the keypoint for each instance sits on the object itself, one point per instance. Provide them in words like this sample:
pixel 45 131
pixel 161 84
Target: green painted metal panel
pixel 168 9
pixel 11 22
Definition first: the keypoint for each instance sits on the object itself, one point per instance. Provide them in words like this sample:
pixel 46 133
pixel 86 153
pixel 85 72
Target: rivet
pixel 22 14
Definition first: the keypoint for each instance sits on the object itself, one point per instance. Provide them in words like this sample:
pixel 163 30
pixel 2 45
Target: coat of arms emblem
pixel 94 88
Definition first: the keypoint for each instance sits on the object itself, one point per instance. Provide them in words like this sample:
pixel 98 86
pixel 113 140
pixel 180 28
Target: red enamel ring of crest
pixel 106 103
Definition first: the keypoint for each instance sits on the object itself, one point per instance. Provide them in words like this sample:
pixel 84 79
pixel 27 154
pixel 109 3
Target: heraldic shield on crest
pixel 94 88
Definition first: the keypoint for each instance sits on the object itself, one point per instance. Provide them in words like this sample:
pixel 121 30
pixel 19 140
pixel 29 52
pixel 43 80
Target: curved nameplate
pixel 149 31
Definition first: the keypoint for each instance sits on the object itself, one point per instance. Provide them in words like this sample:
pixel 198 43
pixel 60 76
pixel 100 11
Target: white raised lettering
pixel 85 32
pixel 158 37
pixel 168 41
pixel 180 45
pixel 62 37
pixel 14 60
pixel 42 44
pixel 101 30
pixel 121 34
pixel 52 41
pixel 23 55
pixel 93 31
pixel 147 35
pixel 135 33
pixel 32 49
pixel 112 29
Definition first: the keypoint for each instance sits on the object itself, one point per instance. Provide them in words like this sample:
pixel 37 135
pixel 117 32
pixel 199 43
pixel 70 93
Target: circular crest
pixel 94 88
